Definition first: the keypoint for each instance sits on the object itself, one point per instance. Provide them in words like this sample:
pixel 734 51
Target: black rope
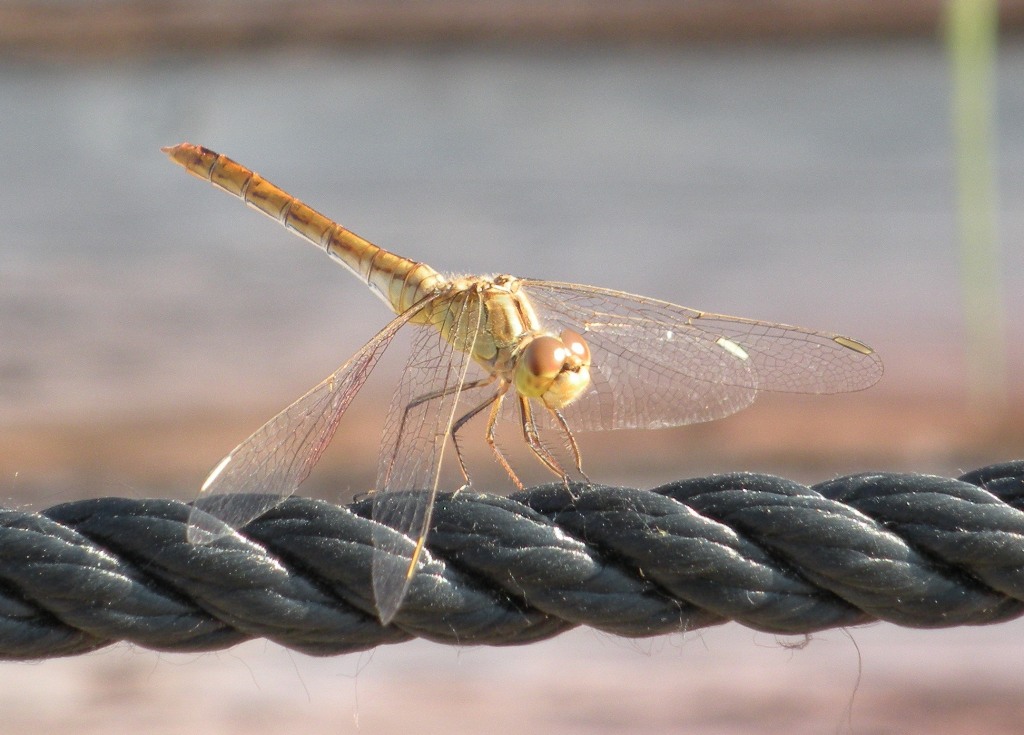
pixel 769 553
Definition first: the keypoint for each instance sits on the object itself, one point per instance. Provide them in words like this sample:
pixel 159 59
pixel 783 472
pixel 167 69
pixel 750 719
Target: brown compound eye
pixel 541 363
pixel 544 357
pixel 576 346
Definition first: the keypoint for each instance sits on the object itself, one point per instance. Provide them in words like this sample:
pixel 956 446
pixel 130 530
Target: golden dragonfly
pixel 558 357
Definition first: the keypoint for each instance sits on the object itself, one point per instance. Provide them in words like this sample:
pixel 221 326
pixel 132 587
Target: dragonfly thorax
pixel 513 345
pixel 554 369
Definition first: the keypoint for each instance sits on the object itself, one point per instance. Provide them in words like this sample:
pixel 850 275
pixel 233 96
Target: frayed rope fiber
pixel 769 553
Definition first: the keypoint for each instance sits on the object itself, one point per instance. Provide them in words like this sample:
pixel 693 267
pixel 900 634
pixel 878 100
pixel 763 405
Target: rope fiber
pixel 769 553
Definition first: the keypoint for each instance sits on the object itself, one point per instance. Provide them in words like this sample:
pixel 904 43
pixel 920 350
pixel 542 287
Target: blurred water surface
pixel 798 185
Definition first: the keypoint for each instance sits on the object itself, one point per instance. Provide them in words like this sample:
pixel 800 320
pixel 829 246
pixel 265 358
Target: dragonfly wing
pixel 657 364
pixel 416 435
pixel 266 468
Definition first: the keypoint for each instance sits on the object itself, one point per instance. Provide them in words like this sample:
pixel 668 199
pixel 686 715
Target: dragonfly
pixel 554 357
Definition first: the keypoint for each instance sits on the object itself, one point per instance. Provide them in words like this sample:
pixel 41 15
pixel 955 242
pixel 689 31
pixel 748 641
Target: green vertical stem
pixel 971 37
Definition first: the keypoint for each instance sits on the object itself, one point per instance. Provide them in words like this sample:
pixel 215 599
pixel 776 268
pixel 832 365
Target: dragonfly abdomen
pixel 399 281
pixel 402 282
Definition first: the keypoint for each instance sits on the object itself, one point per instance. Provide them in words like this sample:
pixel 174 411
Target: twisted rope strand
pixel 769 553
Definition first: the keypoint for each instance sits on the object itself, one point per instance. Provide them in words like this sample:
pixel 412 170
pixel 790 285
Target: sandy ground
pixel 729 680
pixel 808 438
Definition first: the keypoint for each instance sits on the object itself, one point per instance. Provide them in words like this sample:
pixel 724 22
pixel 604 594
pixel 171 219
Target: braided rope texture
pixel 769 553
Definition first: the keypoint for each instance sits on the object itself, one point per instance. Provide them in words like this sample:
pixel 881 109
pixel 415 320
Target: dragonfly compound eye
pixel 539 364
pixel 577 346
pixel 554 369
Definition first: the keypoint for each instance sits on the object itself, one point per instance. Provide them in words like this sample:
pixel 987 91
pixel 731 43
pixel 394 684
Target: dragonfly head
pixel 554 369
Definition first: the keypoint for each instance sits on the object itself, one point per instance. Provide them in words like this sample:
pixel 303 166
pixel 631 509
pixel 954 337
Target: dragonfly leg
pixel 489 436
pixel 571 441
pixel 462 420
pixel 433 395
pixel 532 436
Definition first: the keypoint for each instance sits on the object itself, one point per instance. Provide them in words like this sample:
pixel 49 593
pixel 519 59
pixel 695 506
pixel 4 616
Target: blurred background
pixel 851 166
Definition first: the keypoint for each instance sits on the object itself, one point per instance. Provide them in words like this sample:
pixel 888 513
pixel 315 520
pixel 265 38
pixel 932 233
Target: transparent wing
pixel 266 468
pixel 656 364
pixel 416 435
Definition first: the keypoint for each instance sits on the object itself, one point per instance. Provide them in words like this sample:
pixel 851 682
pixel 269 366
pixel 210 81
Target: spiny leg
pixel 571 440
pixel 433 395
pixel 462 420
pixel 532 436
pixel 492 419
